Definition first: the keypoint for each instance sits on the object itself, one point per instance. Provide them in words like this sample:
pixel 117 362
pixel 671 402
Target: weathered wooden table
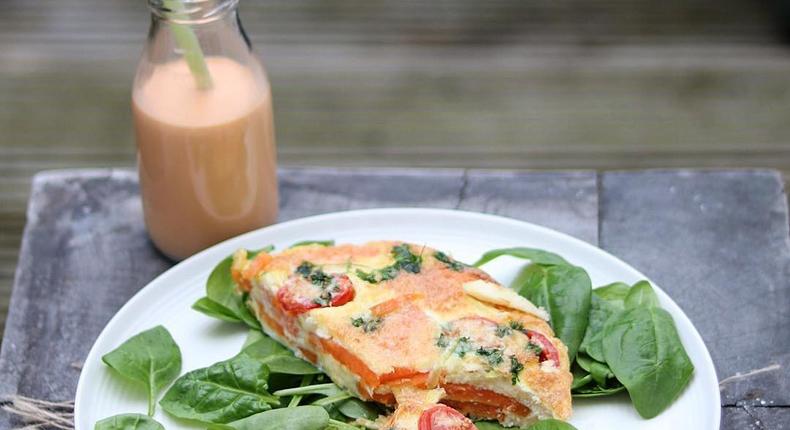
pixel 716 241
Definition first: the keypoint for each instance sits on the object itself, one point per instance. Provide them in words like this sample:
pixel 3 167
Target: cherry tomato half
pixel 548 350
pixel 442 417
pixel 299 295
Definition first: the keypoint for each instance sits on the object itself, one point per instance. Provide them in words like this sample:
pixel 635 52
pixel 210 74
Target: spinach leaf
pixel 600 372
pixel 580 381
pixel 252 337
pixel 223 291
pixel 600 312
pixel 643 349
pixel 614 292
pixel 333 399
pixel 641 294
pixel 564 291
pixel 298 418
pixel 322 389
pixel 151 358
pixel 606 301
pixel 489 425
pixel 278 358
pixel 215 310
pixel 340 425
pixel 551 425
pixel 536 256
pixel 347 405
pixel 223 298
pixel 128 422
pixel 354 408
pixel 221 393
pixel 595 390
pixel 313 242
pixel 584 385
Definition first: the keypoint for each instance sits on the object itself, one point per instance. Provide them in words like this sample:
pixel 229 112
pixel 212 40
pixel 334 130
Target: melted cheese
pixel 499 295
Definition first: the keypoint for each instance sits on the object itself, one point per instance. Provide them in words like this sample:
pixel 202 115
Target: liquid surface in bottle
pixel 206 158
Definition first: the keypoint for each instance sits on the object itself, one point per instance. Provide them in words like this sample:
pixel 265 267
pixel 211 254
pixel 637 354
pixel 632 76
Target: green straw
pixel 188 42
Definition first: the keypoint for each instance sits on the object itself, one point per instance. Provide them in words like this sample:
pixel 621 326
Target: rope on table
pixel 40 414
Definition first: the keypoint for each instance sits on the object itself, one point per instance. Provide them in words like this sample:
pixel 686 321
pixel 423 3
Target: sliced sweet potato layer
pixel 351 361
pixel 463 393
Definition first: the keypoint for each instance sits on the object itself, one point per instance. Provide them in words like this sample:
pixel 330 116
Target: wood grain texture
pixel 84 252
pixel 418 22
pixel 754 418
pixel 717 242
pixel 564 201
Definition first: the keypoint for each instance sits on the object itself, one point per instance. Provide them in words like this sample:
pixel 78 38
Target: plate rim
pixel 93 354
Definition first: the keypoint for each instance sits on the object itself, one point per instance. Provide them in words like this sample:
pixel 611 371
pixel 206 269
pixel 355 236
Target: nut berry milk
pixel 204 132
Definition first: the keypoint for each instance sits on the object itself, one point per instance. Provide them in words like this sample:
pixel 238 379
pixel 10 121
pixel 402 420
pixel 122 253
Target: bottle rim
pixel 191 11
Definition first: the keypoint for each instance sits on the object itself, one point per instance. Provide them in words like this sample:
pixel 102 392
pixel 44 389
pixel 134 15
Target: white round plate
pixel 167 301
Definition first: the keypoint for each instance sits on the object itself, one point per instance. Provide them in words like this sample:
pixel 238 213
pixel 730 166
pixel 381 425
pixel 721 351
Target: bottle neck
pixel 195 35
pixel 193 12
pixel 215 24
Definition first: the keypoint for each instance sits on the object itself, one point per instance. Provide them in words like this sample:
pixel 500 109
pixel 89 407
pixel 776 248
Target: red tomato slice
pixel 442 417
pixel 299 295
pixel 345 292
pixel 548 351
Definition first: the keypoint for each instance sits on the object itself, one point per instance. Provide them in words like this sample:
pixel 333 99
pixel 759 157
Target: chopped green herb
pixel 321 279
pixel 515 325
pixel 404 260
pixel 463 346
pixel 368 325
pixel 442 341
pixel 492 355
pixel 515 368
pixel 327 283
pixel 314 274
pixel 324 299
pixel 448 261
pixel 305 269
pixel 534 348
pixel 367 277
pixel 388 273
pixel 503 330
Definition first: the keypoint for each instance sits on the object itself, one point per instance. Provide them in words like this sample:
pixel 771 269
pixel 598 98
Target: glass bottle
pixel 202 110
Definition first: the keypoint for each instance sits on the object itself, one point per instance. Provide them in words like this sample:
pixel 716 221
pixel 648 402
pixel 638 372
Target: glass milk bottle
pixel 202 110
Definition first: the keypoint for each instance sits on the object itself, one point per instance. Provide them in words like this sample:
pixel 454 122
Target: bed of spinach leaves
pixel 618 337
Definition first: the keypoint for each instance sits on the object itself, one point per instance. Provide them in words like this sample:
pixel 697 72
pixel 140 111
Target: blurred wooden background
pixel 598 84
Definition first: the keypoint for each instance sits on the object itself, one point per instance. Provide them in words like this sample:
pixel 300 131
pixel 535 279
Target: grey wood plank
pixel 717 242
pixel 565 201
pixel 84 254
pixel 522 107
pixel 413 22
pixel 60 303
pixel 310 191
pixel 755 418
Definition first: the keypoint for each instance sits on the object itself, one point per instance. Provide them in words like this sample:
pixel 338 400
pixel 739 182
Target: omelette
pixel 438 341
